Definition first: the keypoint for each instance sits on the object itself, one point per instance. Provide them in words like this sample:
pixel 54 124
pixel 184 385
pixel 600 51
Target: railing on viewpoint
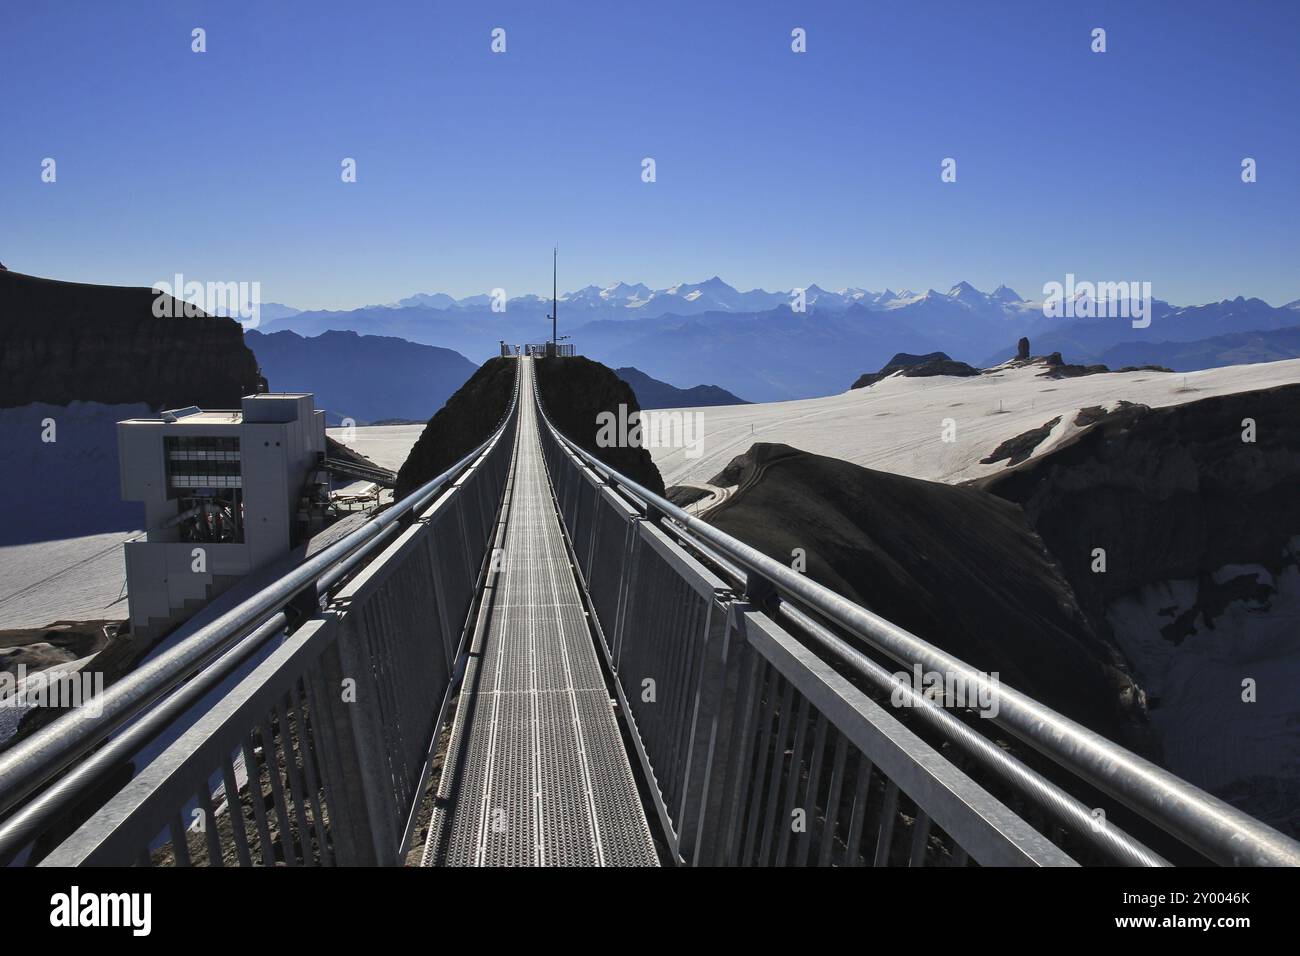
pixel 755 696
pixel 542 350
pixel 319 755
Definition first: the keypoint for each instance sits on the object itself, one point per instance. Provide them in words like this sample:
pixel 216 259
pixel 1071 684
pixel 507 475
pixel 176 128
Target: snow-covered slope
pixel 897 424
pixel 385 445
pixel 74 579
pixel 1200 591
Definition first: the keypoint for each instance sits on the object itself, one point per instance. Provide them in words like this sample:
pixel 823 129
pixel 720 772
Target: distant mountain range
pixel 756 345
pixel 652 393
pixel 624 300
pixel 1088 340
pixel 363 377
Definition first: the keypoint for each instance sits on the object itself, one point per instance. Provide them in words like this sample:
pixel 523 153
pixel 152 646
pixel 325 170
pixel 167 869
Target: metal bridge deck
pixel 536 770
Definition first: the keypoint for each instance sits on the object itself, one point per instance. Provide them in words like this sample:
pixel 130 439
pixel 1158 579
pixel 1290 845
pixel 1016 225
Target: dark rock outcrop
pixel 65 341
pixel 575 391
pixel 735 469
pixel 461 425
pixel 58 643
pixel 933 363
pixel 1017 449
pixel 1092 414
pixel 1169 493
pixel 685 495
pixel 954 565
pixel 1197 529
pixel 1055 366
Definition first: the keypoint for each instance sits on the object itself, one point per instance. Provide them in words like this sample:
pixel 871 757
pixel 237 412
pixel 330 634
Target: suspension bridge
pixel 533 660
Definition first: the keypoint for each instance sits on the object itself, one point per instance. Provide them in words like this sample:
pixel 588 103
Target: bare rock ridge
pixel 1056 366
pixel 574 392
pixel 956 566
pixel 932 363
pixel 460 426
pixel 1016 449
pixel 938 363
pixel 65 341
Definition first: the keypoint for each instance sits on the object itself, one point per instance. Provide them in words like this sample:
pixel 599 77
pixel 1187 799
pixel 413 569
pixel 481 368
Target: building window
pixel 202 462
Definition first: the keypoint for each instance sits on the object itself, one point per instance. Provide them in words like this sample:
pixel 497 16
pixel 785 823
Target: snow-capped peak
pixel 967 294
pixel 624 292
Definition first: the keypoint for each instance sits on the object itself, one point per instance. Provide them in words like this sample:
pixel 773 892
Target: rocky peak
pixel 62 342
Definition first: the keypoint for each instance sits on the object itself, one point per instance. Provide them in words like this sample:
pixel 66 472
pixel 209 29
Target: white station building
pixel 224 493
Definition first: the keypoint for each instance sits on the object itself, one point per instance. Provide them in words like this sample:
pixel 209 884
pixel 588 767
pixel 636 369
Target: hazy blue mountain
pixel 652 393
pixel 1238 348
pixel 473 332
pixel 436 300
pixel 766 356
pixel 364 377
pixel 274 311
pixel 1087 340
pixel 267 312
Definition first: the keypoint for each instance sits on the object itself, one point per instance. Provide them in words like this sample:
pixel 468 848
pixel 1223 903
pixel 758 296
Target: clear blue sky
pixel 774 169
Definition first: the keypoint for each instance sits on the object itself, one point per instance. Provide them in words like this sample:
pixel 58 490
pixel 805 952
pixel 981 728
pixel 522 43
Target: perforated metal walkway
pixel 536 772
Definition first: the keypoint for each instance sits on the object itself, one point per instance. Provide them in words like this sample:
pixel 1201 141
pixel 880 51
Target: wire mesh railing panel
pixel 610 563
pixel 822 775
pixel 665 626
pixel 245 786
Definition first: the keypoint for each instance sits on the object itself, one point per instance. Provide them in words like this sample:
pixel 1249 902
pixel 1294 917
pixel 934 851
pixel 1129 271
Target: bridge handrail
pixel 1209 825
pixel 32 762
